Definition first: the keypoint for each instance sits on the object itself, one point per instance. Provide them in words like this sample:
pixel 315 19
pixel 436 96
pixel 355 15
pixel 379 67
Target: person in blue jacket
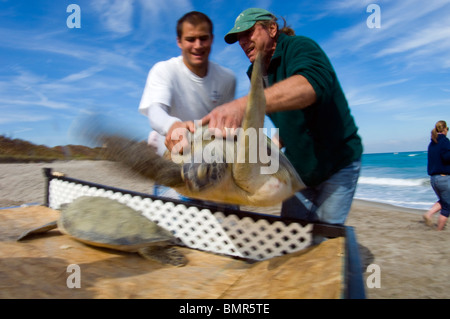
pixel 439 171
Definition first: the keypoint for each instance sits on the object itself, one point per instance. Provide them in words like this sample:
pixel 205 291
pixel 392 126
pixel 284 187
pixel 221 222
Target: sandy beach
pixel 412 258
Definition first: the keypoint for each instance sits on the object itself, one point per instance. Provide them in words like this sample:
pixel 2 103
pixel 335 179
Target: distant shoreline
pixel 425 151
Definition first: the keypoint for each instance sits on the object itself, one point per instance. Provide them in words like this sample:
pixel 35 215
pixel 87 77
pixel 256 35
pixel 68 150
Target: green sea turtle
pixel 246 170
pixel 103 222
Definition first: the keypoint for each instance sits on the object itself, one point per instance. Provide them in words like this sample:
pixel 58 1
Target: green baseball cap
pixel 245 21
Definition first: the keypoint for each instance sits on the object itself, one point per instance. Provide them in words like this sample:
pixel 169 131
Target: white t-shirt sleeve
pixel 157 98
pixel 159 118
pixel 158 88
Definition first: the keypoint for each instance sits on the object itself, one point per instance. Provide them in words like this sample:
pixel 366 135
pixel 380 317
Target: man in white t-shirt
pixel 185 88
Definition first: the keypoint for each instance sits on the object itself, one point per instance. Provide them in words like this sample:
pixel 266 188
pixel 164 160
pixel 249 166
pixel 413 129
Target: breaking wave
pixel 383 181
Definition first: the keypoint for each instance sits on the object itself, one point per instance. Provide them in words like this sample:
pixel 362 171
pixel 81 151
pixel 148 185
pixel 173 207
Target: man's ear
pixel 273 30
pixel 179 42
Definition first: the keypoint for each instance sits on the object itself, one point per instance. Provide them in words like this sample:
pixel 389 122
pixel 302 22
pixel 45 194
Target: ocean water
pixel 398 179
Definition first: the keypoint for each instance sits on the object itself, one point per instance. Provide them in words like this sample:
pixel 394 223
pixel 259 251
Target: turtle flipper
pixel 164 254
pixel 38 230
pixel 245 169
pixel 142 159
pixel 199 176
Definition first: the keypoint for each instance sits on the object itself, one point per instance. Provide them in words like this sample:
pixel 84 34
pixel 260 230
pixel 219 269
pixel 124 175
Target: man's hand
pixel 177 134
pixel 226 116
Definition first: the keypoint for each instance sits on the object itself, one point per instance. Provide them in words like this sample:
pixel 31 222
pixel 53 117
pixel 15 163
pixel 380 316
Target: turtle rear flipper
pixel 164 254
pixel 39 230
pixel 244 169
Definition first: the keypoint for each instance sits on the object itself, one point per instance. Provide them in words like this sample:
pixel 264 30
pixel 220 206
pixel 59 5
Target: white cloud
pixel 116 15
pixel 157 9
pixel 355 99
pixel 428 36
pixel 403 27
pixel 20 117
pixel 157 19
pixel 42 101
pixel 82 74
pixel 345 7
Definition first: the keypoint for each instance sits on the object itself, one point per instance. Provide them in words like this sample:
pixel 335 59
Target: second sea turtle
pixel 104 222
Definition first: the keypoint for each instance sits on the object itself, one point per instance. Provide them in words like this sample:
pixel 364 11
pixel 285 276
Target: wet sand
pixel 412 258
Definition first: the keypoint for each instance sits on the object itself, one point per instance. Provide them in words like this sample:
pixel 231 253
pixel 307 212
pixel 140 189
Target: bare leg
pixel 441 222
pixel 429 214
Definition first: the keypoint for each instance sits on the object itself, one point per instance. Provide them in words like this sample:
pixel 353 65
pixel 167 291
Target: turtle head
pixel 199 176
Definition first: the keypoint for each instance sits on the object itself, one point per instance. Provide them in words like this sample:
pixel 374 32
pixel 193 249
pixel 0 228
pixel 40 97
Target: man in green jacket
pixel 306 103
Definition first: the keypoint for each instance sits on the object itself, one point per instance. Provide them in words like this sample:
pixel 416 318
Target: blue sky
pixel 396 77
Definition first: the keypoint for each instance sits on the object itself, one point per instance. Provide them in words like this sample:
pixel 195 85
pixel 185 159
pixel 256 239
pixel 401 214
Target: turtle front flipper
pixel 199 176
pixel 164 254
pixel 142 159
pixel 39 230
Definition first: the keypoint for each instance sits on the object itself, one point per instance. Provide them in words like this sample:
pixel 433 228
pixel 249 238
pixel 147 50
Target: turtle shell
pixel 107 223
